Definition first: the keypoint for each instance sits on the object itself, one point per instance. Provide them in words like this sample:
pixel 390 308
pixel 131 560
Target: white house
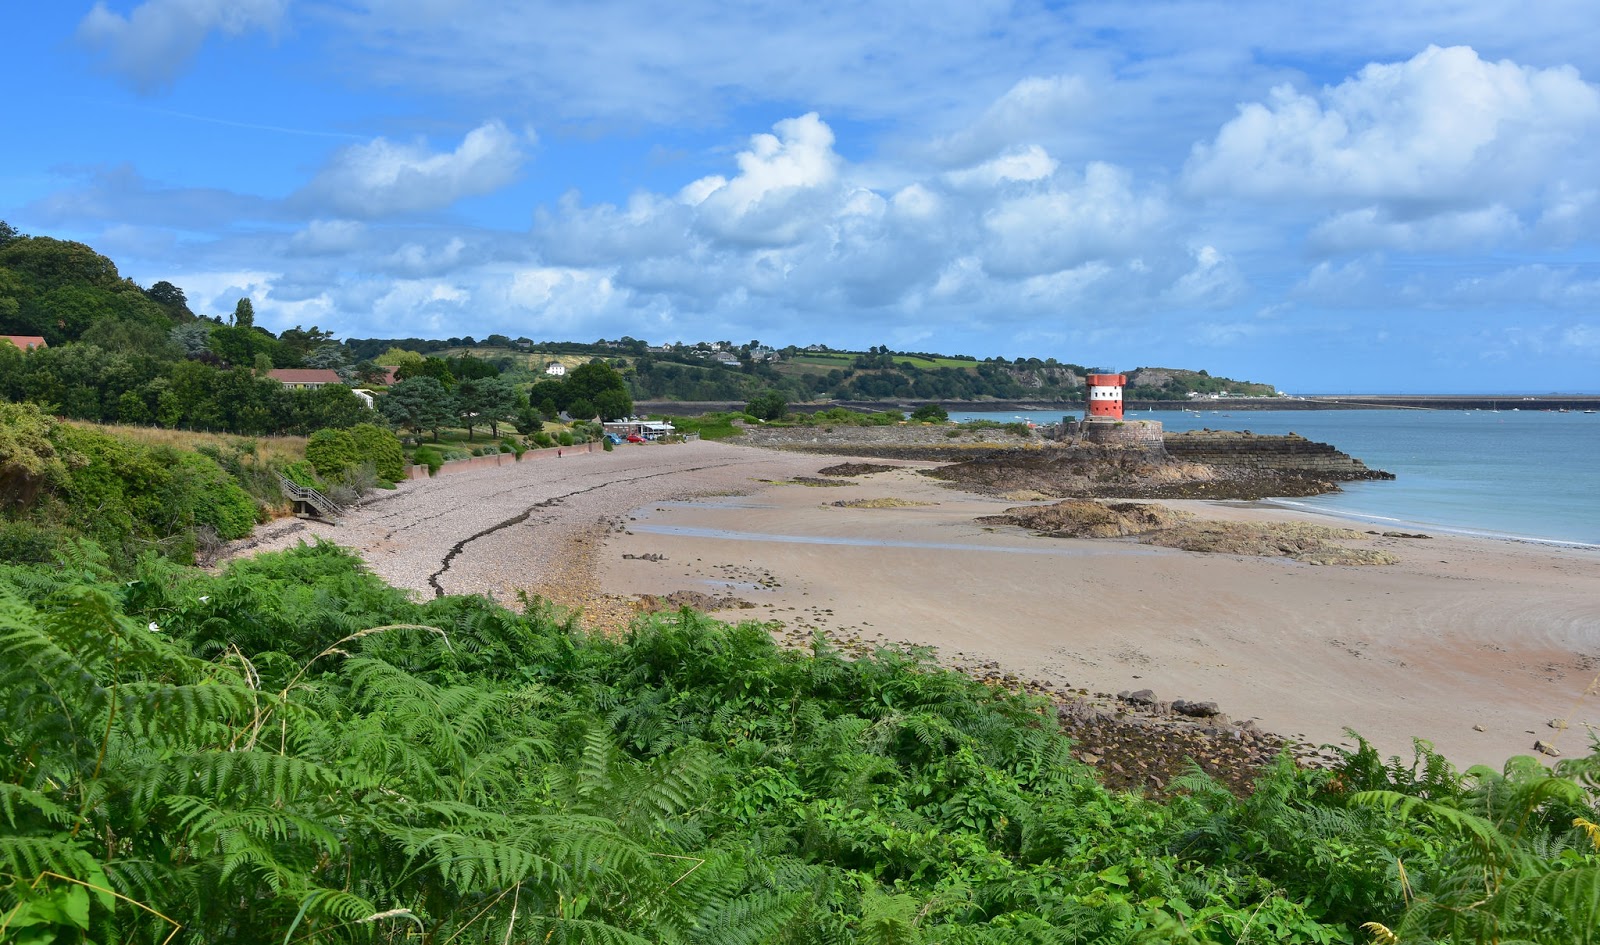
pixel 556 369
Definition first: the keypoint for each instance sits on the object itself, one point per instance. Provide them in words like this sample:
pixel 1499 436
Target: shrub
pixel 509 445
pixel 28 543
pixel 301 474
pixel 332 452
pixel 428 456
pixel 129 497
pixel 542 439
pixel 930 413
pixel 565 439
pixel 381 447
pixel 767 405
pixel 218 500
pixel 608 445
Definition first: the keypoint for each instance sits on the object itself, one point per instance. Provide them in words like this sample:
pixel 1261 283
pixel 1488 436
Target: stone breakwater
pixel 1286 453
pixel 931 441
pixel 1200 465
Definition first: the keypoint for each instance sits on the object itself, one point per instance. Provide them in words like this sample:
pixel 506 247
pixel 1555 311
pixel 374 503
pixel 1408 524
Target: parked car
pixel 615 439
pixel 635 438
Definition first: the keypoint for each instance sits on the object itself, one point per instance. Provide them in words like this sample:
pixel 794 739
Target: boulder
pixel 1199 710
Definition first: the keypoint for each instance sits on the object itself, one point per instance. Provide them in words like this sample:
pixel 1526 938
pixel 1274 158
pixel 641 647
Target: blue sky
pixel 1353 197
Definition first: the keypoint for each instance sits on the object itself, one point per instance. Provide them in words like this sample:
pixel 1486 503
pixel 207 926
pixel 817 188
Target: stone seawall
pixel 1293 453
pixel 1129 434
pixel 500 459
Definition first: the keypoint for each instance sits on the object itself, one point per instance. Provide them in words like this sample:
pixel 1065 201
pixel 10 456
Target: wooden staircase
pixel 308 502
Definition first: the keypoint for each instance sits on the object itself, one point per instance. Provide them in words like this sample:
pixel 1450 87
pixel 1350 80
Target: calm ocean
pixel 1526 474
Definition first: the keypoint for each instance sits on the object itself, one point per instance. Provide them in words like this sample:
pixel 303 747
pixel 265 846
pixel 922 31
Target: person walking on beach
pixel 558 454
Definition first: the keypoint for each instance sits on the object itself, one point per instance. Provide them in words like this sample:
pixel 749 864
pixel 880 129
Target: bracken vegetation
pixel 292 751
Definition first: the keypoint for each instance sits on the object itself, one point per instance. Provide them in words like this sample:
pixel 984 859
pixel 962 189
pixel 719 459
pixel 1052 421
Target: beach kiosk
pixel 1105 396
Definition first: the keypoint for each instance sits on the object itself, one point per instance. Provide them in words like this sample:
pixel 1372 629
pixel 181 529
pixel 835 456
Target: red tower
pixel 1105 396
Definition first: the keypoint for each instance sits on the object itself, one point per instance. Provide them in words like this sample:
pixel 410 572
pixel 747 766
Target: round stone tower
pixel 1105 396
pixel 1103 424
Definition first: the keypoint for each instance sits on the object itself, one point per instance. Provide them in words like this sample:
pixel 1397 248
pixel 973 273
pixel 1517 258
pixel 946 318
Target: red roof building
pixel 306 378
pixel 25 342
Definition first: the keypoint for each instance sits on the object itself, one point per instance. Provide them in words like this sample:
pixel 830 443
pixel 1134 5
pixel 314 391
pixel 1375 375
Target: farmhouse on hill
pixel 305 378
pixel 25 342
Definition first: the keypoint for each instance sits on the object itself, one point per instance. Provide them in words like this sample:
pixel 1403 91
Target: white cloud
pixel 329 236
pixel 1376 228
pixel 1037 105
pixel 785 182
pixel 1214 282
pixel 150 46
pixel 1444 135
pixel 1061 227
pixel 1026 164
pixel 383 177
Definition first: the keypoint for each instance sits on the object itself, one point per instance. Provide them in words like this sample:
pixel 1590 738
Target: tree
pixel 469 404
pixel 417 404
pixel 767 405
pixel 435 368
pixel 930 413
pixel 244 314
pixel 398 357
pixel 613 405
pixel 8 233
pixel 588 381
pixel 192 338
pixel 331 405
pixel 468 366
pixel 367 372
pixel 498 402
pixel 171 298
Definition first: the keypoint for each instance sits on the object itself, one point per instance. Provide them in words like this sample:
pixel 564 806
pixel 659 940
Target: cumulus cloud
pixel 1444 135
pixel 154 43
pixel 1024 164
pixel 798 228
pixel 383 178
pixel 785 180
pixel 1063 226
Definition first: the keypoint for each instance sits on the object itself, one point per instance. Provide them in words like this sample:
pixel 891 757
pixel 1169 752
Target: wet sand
pixel 1463 632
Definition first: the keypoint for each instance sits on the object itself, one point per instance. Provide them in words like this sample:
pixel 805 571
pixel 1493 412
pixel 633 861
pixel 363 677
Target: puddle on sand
pixel 688 531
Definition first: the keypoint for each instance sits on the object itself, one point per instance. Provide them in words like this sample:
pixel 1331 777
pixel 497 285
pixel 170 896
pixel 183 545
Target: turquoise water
pixel 1512 474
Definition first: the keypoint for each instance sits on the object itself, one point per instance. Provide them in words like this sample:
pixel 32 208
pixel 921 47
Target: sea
pixel 1514 474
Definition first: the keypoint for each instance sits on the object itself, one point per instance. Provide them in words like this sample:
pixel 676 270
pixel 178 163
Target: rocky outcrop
pixel 1158 525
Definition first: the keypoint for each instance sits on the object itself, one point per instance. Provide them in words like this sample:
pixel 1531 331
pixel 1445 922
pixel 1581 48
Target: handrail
pixel 310 496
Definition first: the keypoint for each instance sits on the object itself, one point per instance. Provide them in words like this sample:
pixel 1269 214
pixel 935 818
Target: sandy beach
pixel 1474 644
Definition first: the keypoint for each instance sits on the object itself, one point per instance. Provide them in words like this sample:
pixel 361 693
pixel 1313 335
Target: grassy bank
pixel 293 751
